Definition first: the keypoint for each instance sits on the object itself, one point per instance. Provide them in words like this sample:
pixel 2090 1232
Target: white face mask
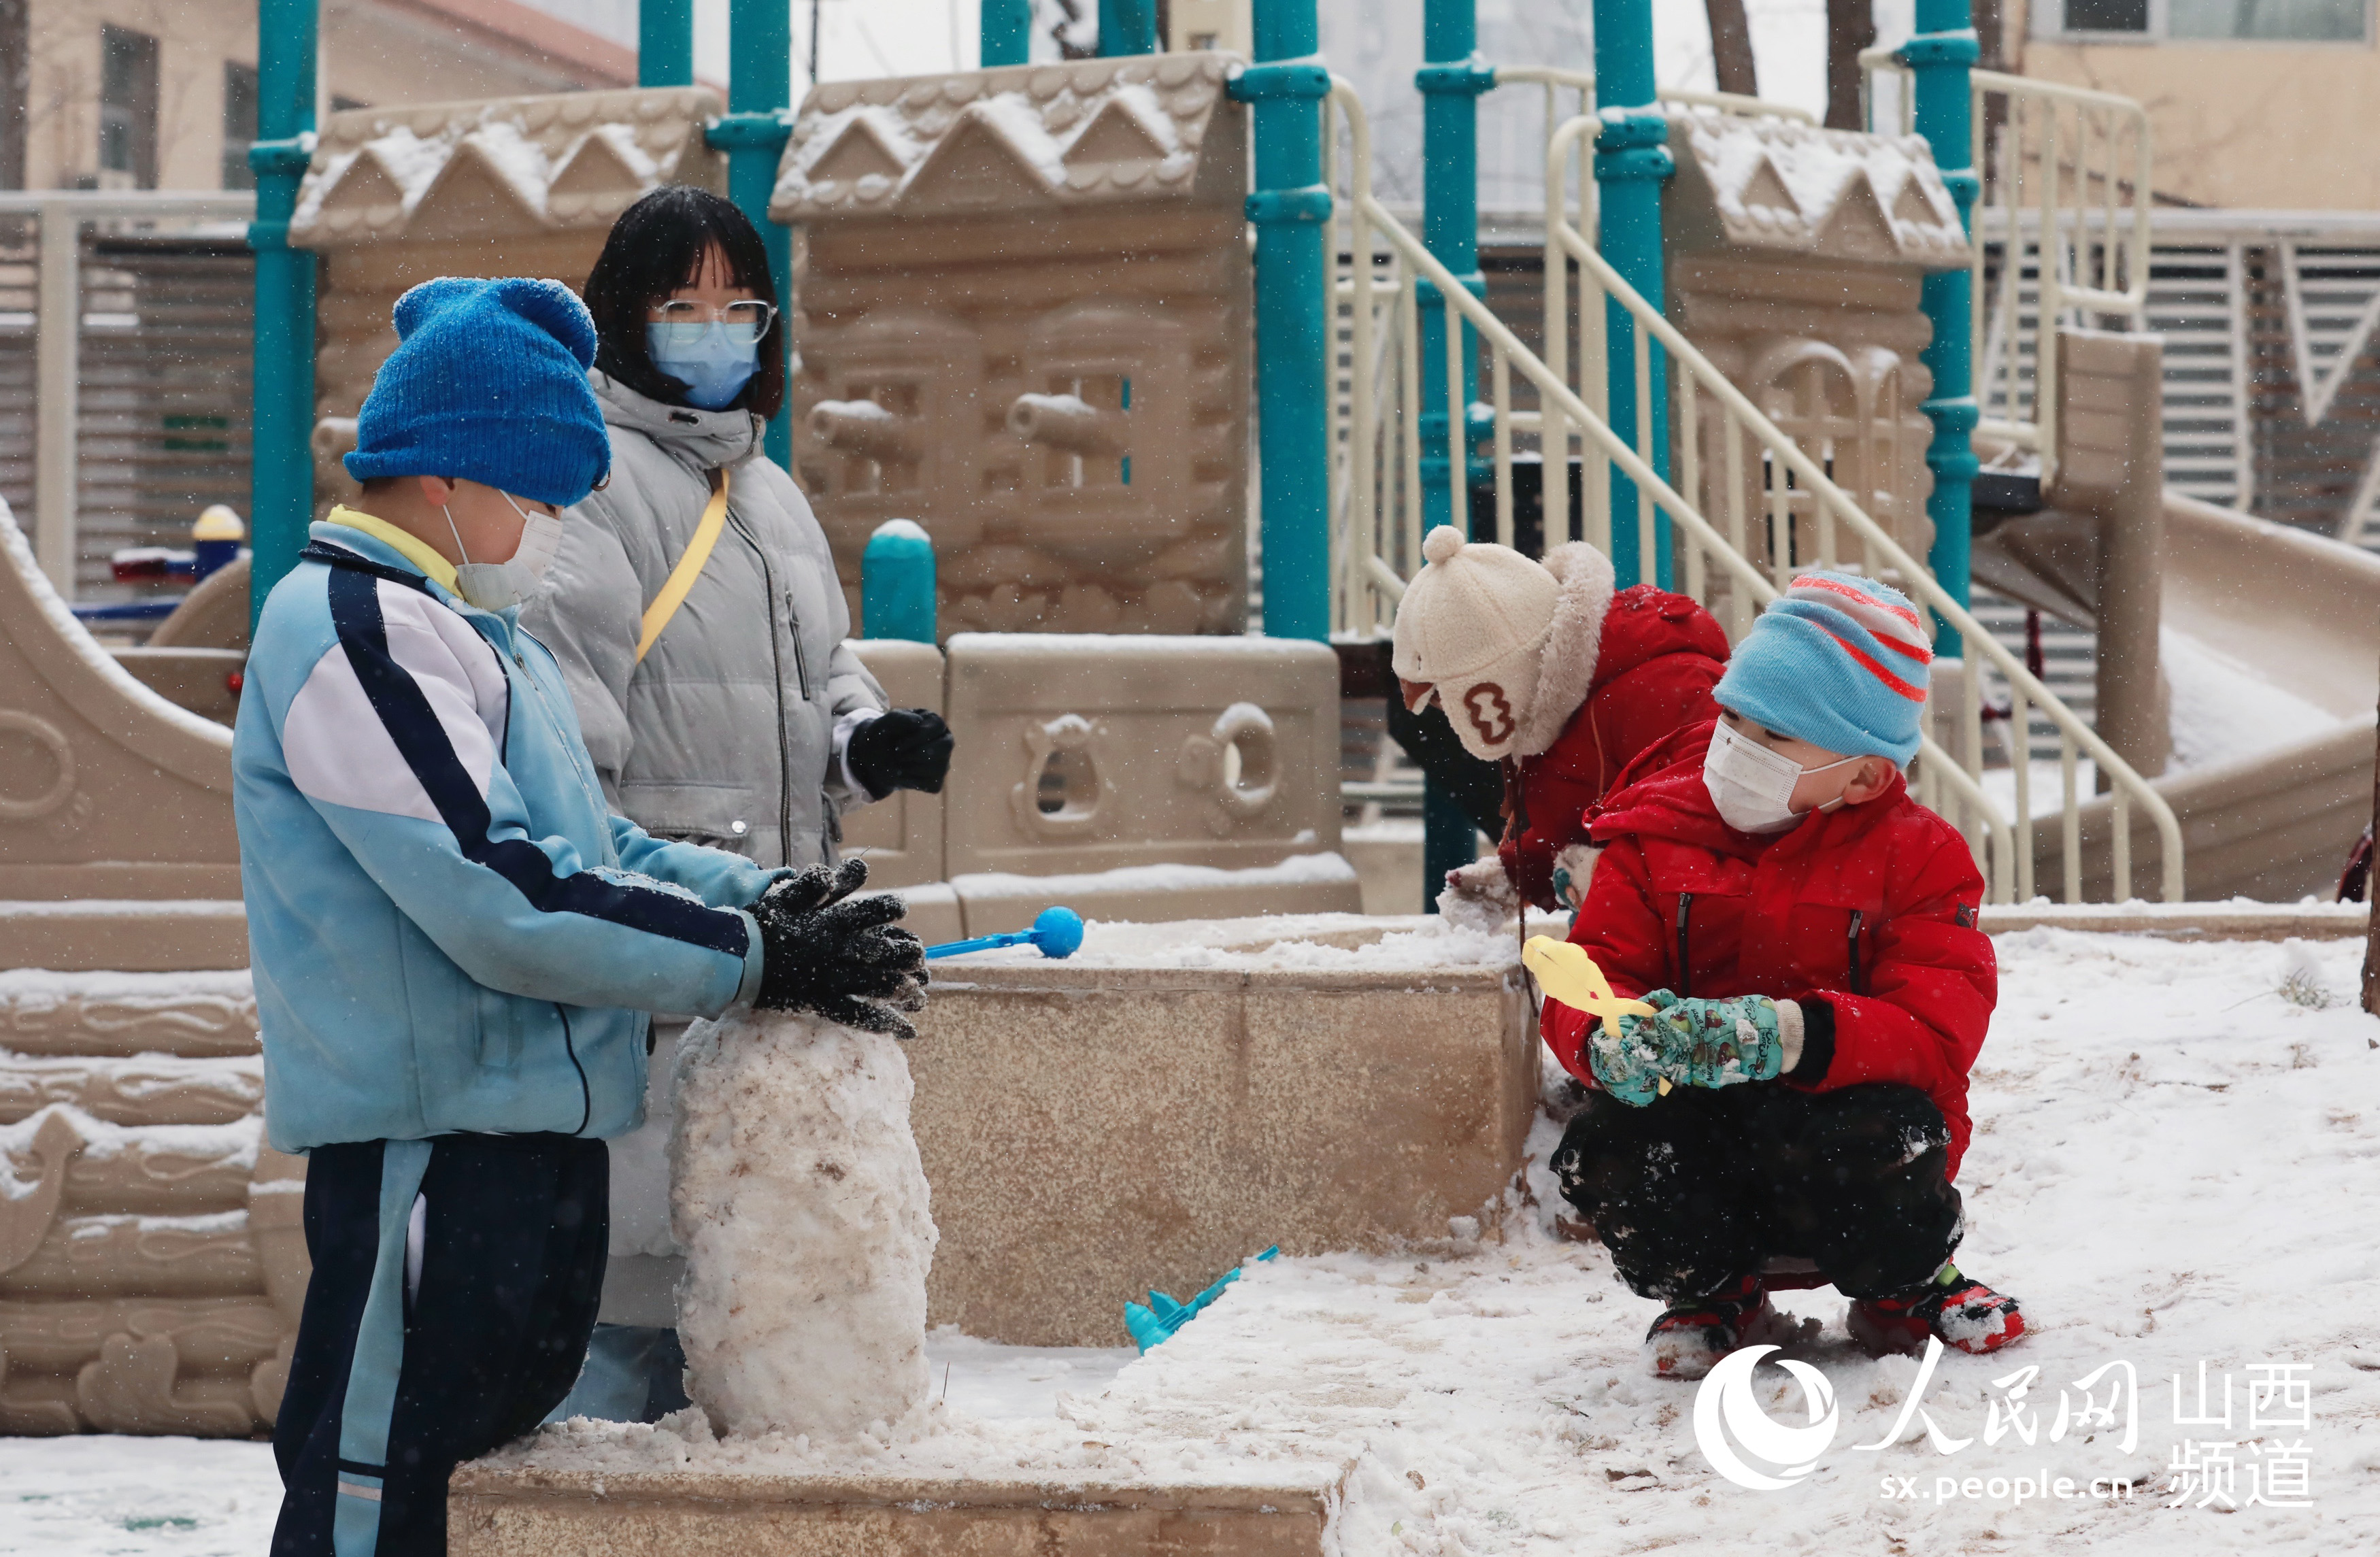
pixel 1752 786
pixel 493 586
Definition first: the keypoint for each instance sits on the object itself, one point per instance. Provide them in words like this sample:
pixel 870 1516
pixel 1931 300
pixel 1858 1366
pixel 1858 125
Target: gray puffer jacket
pixel 726 734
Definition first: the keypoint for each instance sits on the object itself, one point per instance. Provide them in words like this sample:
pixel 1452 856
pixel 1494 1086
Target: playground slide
pixel 2271 649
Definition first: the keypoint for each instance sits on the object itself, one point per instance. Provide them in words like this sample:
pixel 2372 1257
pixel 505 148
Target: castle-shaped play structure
pixel 1028 323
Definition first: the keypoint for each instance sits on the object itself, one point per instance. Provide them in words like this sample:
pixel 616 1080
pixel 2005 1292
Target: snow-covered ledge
pixel 2238 919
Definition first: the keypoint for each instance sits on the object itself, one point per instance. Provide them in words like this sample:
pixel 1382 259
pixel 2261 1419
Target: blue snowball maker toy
pixel 1057 933
pixel 1163 1316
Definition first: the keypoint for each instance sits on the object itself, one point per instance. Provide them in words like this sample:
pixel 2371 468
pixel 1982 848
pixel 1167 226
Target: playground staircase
pixel 1725 558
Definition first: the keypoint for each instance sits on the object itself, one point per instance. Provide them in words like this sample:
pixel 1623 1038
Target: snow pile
pixel 799 1200
pixel 1308 942
pixel 2224 710
pixel 2302 981
pixel 1298 869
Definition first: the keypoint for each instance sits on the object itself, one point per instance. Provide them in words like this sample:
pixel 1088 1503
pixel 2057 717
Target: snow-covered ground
pixel 2173 1164
pixel 98 1496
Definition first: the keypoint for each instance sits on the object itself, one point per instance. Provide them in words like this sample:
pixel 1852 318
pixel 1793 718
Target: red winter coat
pixel 1620 673
pixel 1869 908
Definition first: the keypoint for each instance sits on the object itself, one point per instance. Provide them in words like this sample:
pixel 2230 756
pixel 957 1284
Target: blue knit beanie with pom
pixel 488 383
pixel 1839 661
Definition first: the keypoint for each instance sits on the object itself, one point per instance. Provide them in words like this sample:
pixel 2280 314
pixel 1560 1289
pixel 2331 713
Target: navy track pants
pixel 390 1388
pixel 1703 1186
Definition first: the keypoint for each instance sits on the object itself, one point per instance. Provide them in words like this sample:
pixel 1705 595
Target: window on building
pixel 2106 16
pixel 238 125
pixel 128 108
pixel 2297 21
pixel 2321 22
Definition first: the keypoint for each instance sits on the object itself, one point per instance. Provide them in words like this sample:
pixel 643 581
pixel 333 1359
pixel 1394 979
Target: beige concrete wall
pixel 1091 1132
pixel 501 1510
pixel 2248 125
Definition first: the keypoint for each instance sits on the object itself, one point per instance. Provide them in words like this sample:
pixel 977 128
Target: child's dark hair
pixel 657 246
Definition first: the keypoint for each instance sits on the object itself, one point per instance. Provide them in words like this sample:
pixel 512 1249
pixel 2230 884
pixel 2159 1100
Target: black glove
pixel 846 960
pixel 901 749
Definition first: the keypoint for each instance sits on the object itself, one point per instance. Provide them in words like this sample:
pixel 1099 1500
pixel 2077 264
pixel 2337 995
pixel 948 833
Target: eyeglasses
pixel 745 322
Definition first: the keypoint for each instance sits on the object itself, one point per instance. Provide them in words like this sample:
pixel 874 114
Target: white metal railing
pixel 1725 447
pixel 1556 80
pixel 1383 343
pixel 2066 199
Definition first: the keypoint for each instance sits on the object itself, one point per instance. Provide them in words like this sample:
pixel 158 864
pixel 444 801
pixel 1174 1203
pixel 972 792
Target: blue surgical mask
pixel 714 360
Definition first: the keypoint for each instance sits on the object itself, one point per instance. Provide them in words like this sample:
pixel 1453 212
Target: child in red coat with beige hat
pixel 1544 670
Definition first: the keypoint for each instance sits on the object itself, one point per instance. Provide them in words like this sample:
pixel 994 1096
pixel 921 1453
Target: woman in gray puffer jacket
pixel 748 724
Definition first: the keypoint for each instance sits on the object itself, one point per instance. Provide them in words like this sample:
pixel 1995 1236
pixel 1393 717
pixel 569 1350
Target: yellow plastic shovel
pixel 1567 974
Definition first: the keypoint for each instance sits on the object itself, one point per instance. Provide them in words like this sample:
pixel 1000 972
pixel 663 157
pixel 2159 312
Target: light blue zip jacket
pixel 449 928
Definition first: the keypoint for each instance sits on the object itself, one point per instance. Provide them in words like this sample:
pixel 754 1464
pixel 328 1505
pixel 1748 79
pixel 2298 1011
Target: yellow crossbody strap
pixel 689 569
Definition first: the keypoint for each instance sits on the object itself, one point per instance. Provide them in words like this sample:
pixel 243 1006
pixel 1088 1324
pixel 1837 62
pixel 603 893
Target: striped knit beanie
pixel 1839 661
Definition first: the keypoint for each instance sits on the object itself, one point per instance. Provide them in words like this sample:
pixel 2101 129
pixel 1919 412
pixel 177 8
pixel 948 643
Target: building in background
pixel 2256 105
pixel 143 95
pixel 161 95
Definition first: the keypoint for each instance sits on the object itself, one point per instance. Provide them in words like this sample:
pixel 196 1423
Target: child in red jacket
pixel 1544 670
pixel 1807 933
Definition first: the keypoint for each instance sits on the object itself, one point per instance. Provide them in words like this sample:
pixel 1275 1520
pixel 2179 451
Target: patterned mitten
pixel 1711 1043
pixel 1628 1056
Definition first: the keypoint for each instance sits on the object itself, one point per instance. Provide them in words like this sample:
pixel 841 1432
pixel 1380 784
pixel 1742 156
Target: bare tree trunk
pixel 17 87
pixel 1851 27
pixel 2370 895
pixel 1731 47
pixel 1990 42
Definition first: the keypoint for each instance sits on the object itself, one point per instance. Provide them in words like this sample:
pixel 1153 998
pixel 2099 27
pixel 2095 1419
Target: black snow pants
pixel 1706 1185
pixel 393 1384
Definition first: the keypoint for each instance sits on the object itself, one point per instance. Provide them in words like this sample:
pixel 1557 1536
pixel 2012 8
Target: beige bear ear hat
pixel 1474 623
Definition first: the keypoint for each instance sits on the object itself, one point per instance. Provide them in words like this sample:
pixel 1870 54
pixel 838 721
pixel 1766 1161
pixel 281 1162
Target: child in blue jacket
pixel 455 941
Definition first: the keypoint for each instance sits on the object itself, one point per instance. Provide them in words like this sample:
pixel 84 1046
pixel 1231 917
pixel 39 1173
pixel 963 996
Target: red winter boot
pixel 1964 1313
pixel 1689 1338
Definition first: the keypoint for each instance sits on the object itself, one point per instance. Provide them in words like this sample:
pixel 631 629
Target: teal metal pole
pixel 665 42
pixel 1451 81
pixel 1007 32
pixel 1128 27
pixel 753 133
pixel 281 471
pixel 1631 162
pixel 1291 208
pixel 1940 56
pixel 1451 84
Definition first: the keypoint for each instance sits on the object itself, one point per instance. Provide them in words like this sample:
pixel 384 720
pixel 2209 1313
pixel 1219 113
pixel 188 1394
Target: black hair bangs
pixel 656 247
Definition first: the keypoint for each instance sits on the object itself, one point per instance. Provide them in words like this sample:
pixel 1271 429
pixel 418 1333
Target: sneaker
pixel 1689 1338
pixel 1964 1313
